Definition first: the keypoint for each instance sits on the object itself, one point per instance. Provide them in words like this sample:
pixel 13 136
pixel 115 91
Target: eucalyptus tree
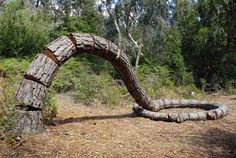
pixel 207 28
pixel 133 20
pixel 218 23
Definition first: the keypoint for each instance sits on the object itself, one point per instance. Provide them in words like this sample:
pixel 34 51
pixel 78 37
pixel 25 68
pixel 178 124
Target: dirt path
pixel 101 131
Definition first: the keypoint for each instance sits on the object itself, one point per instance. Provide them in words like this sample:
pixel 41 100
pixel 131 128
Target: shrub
pixel 51 107
pixel 161 85
pixel 23 30
pixel 67 76
pixel 92 87
pixel 14 70
pixel 152 80
pixel 88 82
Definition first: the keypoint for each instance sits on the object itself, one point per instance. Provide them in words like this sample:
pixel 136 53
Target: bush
pixel 88 82
pixel 51 107
pixel 92 87
pixel 23 30
pixel 68 74
pixel 14 70
pixel 152 80
pixel 161 85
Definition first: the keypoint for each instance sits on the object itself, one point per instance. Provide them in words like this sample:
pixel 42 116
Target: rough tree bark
pixel 38 77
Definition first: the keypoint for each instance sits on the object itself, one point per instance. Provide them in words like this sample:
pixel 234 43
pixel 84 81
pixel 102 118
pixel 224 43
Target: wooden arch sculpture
pixel 41 71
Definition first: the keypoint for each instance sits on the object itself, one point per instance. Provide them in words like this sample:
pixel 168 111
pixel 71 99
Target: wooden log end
pixel 49 54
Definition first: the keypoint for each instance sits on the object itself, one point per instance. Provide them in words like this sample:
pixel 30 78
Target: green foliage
pixel 7 102
pixel 80 24
pixel 92 87
pixel 160 84
pixel 23 30
pixel 88 84
pixel 84 18
pixel 168 53
pixel 153 81
pixel 172 57
pixel 208 40
pixel 51 107
pixel 66 78
pixel 14 70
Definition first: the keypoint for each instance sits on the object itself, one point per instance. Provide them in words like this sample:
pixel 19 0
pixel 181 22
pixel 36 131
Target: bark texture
pixel 62 48
pixel 42 69
pixel 31 93
pixel 28 122
pixel 38 78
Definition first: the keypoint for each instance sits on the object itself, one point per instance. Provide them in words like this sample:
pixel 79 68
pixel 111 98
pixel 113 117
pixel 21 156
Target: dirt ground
pixel 101 131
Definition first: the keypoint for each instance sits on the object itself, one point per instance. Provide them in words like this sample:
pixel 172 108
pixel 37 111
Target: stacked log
pixel 37 79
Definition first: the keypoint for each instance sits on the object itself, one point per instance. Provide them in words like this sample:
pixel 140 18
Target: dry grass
pixel 101 131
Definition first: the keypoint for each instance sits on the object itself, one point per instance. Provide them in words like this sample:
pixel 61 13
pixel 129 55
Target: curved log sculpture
pixel 41 71
pixel 212 111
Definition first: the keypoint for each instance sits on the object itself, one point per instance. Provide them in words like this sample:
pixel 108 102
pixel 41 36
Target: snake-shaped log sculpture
pixel 39 76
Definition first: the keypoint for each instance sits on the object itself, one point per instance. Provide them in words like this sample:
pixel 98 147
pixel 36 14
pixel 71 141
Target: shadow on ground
pixel 87 118
pixel 216 143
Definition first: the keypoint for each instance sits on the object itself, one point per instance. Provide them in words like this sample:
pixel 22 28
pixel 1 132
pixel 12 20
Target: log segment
pixel 42 69
pixel 62 48
pixel 31 93
pixel 28 122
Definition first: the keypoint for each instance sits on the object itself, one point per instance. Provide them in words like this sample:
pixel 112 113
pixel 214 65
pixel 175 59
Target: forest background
pixel 179 48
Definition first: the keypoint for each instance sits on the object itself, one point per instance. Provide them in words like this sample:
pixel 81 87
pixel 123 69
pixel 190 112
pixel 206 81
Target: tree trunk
pixel 138 58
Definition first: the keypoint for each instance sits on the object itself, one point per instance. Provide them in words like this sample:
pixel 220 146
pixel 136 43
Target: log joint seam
pixel 51 55
pixel 72 39
pixel 28 77
pixel 94 40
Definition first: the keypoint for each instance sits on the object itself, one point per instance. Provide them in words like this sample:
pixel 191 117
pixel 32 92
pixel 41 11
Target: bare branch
pixel 115 20
pixel 1 2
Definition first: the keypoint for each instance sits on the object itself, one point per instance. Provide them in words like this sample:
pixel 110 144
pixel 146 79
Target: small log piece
pixel 202 115
pixel 193 116
pixel 62 48
pixel 42 69
pixel 27 122
pixel 31 93
pixel 173 117
pixel 183 117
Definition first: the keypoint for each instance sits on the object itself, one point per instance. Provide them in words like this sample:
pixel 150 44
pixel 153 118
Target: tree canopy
pixel 194 40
